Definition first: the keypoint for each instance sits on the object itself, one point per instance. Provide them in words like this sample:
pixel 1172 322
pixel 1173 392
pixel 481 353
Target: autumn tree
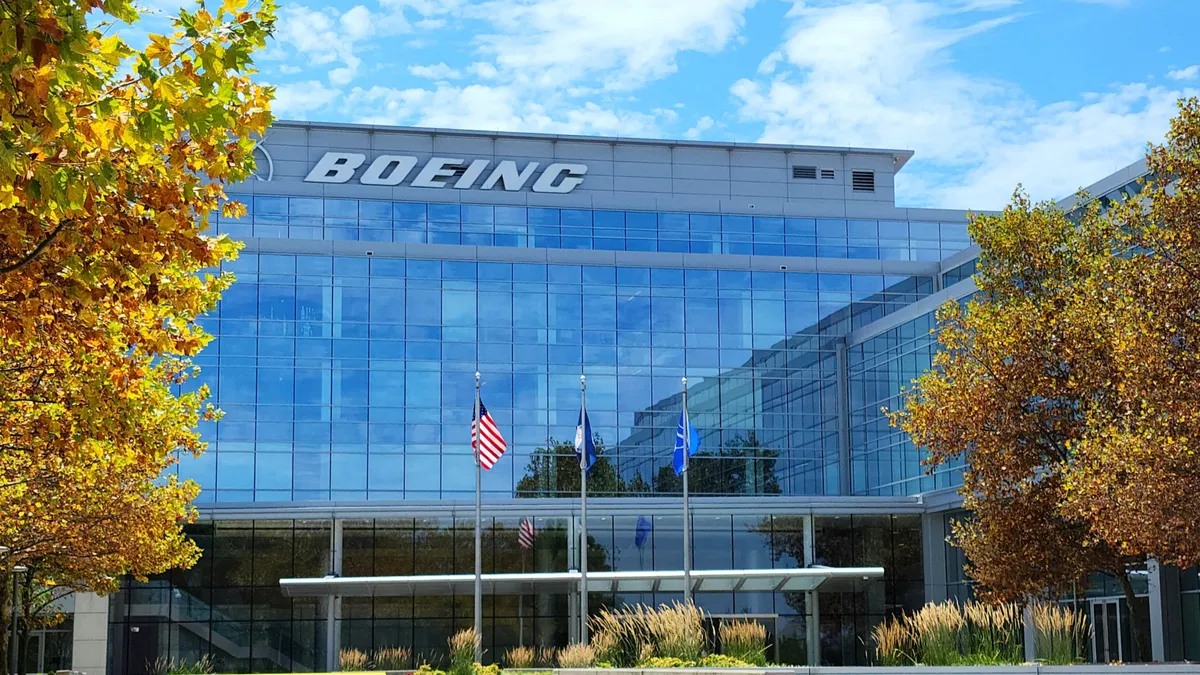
pixel 1068 384
pixel 741 466
pixel 553 471
pixel 111 161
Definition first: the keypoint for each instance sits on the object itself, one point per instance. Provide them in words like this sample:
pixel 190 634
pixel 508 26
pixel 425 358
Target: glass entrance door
pixel 1106 637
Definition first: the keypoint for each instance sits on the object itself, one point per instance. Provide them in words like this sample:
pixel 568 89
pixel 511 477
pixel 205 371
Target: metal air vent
pixel 826 174
pixel 804 172
pixel 863 181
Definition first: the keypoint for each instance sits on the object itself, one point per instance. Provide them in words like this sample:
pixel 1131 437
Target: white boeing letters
pixel 439 172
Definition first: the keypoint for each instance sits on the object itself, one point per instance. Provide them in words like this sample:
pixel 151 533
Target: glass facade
pixel 529 227
pixel 883 459
pixel 351 378
pixel 229 605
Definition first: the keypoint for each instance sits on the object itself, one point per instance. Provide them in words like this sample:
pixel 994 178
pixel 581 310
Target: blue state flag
pixel 585 445
pixel 686 440
pixel 642 532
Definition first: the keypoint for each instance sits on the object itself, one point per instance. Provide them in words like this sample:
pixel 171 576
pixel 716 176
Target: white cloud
pixel 288 69
pixel 437 71
pixel 880 74
pixel 358 22
pixel 1065 146
pixel 621 43
pixel 327 37
pixel 483 70
pixel 703 124
pixel 340 77
pixel 1189 73
pixel 503 107
pixel 296 100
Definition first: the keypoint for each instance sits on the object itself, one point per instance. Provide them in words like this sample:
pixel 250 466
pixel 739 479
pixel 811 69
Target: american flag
pixel 525 534
pixel 486 440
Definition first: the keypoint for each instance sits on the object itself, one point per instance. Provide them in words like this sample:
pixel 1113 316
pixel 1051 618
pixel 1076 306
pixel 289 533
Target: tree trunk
pixel 1141 637
pixel 26 638
pixel 25 635
pixel 5 613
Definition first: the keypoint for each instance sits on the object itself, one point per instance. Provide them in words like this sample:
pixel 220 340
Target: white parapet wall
pixel 89 649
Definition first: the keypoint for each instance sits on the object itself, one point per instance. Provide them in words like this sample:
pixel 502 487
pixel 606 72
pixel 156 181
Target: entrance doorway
pixel 1108 622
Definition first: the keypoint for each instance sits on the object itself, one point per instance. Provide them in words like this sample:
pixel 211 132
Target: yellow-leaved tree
pixel 111 162
pixel 1070 385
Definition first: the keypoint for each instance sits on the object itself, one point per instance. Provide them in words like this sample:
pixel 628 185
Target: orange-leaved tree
pixel 1068 382
pixel 111 162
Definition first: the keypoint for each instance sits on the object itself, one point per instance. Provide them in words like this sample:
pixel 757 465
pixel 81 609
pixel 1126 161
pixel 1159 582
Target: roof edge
pixel 899 157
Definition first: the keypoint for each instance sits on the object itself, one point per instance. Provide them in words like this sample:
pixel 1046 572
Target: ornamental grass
pixel 546 657
pixel 576 656
pixel 677 631
pixel 392 658
pixel 627 637
pixel 351 660
pixel 463 645
pixel 520 657
pixel 893 643
pixel 946 634
pixel 935 629
pixel 1060 634
pixel 993 634
pixel 618 637
pixel 745 641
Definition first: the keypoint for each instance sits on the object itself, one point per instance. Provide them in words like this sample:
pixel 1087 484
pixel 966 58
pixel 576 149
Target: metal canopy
pixel 703 581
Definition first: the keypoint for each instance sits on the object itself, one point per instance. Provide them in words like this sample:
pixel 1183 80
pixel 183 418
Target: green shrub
pixel 724 661
pixel 427 669
pixel 665 662
pixel 462 651
pixel 745 641
pixel 489 669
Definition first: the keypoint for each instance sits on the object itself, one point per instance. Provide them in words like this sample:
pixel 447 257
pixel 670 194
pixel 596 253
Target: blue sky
pixel 1054 94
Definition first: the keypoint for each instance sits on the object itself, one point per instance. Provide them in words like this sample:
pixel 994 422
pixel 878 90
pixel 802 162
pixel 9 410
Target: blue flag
pixel 686 440
pixel 585 445
pixel 642 532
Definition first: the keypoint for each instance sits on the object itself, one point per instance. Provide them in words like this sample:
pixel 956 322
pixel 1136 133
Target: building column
pixel 333 604
pixel 812 599
pixel 933 556
pixel 845 478
pixel 1028 636
pixel 89 641
pixel 1166 628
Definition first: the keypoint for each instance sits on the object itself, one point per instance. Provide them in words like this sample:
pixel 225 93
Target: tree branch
pixel 36 251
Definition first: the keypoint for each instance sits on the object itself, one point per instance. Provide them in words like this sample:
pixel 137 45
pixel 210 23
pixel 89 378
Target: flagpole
pixel 521 603
pixel 583 557
pixel 476 442
pixel 687 538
